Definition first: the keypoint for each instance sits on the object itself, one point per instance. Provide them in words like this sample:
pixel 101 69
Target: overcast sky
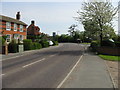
pixel 49 16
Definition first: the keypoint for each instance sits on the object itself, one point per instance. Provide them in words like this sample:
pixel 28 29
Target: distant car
pixel 50 43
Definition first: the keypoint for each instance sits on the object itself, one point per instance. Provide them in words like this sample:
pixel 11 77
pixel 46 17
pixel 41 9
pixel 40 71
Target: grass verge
pixel 113 58
pixel 85 43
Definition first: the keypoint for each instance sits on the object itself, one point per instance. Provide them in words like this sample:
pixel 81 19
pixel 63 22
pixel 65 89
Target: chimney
pixel 32 22
pixel 18 16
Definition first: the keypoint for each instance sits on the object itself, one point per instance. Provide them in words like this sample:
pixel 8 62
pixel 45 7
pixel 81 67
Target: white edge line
pixel 2 74
pixel 11 58
pixel 33 63
pixel 69 72
pixel 113 82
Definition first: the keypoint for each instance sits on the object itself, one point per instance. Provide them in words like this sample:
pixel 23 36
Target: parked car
pixel 50 43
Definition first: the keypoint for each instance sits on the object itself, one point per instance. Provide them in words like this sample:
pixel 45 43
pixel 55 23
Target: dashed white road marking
pixel 33 63
pixel 69 72
pixel 52 55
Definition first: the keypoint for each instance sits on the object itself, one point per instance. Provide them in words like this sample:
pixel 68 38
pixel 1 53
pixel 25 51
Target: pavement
pixel 66 66
pixel 15 55
pixel 91 72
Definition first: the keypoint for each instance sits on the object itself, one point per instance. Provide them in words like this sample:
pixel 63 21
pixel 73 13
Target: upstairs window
pixel 8 26
pixel 15 27
pixel 21 28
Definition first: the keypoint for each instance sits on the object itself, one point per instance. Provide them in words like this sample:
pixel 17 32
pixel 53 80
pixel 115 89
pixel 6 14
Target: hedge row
pixel 2 41
pixel 107 43
pixel 29 45
pixel 44 43
pixel 55 43
pixel 13 47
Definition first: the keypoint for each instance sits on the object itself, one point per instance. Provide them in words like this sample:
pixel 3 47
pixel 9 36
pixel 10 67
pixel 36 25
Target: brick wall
pixel 3 28
pixel 109 51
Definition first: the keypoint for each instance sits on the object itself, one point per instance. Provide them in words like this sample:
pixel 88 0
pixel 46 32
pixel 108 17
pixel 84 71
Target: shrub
pixel 44 43
pixel 117 44
pixel 28 45
pixel 55 43
pixel 94 45
pixel 2 40
pixel 107 43
pixel 37 45
pixel 13 47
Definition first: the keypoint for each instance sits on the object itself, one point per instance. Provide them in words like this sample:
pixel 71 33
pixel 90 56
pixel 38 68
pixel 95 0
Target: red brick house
pixel 13 28
pixel 33 30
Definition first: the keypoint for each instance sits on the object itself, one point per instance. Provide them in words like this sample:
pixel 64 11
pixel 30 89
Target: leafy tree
pixel 72 29
pixel 101 13
pixel 109 32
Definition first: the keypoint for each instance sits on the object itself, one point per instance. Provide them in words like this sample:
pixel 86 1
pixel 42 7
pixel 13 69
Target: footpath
pixel 91 72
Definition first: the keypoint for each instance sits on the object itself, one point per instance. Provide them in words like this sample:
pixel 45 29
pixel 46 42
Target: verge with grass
pixel 85 43
pixel 108 57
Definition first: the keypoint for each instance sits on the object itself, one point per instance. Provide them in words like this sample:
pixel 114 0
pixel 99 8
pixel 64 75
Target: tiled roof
pixel 37 27
pixel 9 19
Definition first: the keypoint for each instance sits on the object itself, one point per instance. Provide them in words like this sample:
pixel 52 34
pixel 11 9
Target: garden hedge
pixel 28 45
pixel 12 47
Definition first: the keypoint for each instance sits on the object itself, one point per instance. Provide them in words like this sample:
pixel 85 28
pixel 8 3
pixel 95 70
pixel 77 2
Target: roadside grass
pixel 85 43
pixel 112 58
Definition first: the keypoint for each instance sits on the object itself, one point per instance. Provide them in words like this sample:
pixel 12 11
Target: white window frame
pixel 21 28
pixel 16 37
pixel 8 26
pixel 15 27
pixel 8 38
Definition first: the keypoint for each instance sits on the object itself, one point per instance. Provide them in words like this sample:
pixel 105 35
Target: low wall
pixel 109 51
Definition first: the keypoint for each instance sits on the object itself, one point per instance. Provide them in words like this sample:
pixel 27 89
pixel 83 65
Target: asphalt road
pixel 44 69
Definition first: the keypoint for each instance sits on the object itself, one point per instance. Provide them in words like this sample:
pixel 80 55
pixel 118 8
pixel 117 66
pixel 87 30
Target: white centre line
pixel 69 72
pixel 52 55
pixel 33 63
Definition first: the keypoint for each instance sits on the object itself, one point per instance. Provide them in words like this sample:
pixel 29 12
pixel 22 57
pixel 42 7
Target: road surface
pixel 43 69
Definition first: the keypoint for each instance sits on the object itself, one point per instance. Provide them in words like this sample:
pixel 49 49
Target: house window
pixel 8 26
pixel 15 27
pixel 21 28
pixel 15 36
pixel 8 39
pixel 21 37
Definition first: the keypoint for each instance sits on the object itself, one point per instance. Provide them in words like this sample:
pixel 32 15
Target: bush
pixel 37 45
pixel 117 44
pixel 13 47
pixel 28 45
pixel 55 43
pixel 107 43
pixel 45 44
pixel 2 40
pixel 94 45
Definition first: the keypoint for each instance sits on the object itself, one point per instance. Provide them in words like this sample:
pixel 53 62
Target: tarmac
pixel 91 71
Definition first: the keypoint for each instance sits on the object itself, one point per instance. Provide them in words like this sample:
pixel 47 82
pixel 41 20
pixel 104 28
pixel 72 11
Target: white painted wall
pixel 119 18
